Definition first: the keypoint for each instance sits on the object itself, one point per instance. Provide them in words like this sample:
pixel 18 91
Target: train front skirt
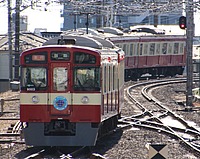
pixel 85 135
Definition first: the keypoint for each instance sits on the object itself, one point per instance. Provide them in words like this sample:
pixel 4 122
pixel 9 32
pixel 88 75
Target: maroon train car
pixel 150 52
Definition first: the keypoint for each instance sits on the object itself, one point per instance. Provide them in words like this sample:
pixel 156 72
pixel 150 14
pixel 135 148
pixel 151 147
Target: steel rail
pixel 158 124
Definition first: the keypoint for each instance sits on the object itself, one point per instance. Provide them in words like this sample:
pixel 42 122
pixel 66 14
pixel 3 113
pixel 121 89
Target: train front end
pixel 60 98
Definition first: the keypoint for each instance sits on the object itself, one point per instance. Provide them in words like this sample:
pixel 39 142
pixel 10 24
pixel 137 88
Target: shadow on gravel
pixel 29 151
pixel 101 147
pixel 107 143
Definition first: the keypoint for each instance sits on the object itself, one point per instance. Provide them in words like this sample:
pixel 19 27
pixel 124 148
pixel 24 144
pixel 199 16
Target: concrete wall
pixel 4 85
pixel 4 66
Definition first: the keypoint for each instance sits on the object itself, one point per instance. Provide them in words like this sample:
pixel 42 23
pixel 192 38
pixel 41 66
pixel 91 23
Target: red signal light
pixel 182 26
pixel 182 22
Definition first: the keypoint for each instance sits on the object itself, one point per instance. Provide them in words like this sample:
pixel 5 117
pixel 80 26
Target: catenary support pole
pixel 189 44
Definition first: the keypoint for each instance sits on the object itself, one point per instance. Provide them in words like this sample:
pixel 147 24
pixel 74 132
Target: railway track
pixel 13 133
pixel 151 116
pixel 155 115
pixel 10 125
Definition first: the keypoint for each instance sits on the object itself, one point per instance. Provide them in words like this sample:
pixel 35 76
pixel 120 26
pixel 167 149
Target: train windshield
pixel 34 78
pixel 87 78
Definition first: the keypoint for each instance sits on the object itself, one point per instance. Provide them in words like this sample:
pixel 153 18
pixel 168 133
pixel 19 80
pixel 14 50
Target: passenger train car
pixel 71 90
pixel 150 52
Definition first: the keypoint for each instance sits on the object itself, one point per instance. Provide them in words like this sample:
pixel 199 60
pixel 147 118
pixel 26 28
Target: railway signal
pixel 182 22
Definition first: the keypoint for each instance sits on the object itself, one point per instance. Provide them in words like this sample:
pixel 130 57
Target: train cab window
pixel 34 78
pixel 164 48
pixel 176 46
pixel 84 58
pixel 86 79
pixel 60 79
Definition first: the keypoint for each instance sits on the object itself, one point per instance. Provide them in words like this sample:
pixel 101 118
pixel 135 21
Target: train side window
pixel 131 49
pixel 141 46
pixel 60 79
pixel 170 46
pixel 176 46
pixel 181 50
pixel 105 79
pixel 127 49
pixel 157 48
pixel 152 49
pixel 145 49
pixel 164 48
pixel 110 79
pixel 115 77
pixel 136 46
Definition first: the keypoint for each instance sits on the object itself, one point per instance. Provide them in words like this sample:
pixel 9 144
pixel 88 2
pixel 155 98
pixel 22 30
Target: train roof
pixel 166 29
pixel 80 39
pixel 114 34
pixel 137 33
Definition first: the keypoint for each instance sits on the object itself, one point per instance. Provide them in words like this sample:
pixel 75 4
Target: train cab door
pixel 60 96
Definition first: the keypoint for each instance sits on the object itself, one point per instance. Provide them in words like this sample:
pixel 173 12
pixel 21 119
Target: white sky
pixel 52 21
pixel 36 19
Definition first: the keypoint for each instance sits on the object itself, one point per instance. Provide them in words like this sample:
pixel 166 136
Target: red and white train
pixel 71 90
pixel 150 52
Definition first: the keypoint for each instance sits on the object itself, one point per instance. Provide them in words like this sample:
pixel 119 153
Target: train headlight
pixel 85 99
pixel 35 99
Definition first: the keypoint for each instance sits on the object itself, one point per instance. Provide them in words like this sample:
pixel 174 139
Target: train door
pixel 60 96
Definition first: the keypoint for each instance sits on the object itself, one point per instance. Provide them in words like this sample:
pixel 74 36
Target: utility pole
pixel 10 41
pixel 75 21
pixel 17 32
pixel 87 22
pixel 189 44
